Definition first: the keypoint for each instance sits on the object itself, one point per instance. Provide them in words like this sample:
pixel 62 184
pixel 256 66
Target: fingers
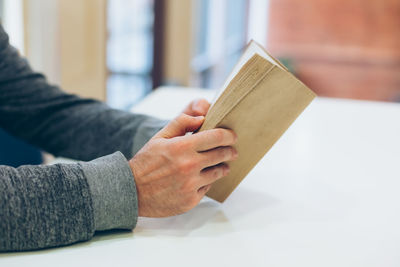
pixel 210 139
pixel 180 126
pixel 203 190
pixel 212 174
pixel 217 156
pixel 197 107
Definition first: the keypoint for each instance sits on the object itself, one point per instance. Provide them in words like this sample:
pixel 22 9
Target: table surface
pixel 326 194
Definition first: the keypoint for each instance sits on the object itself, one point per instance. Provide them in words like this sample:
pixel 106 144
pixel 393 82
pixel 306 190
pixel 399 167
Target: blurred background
pixel 121 50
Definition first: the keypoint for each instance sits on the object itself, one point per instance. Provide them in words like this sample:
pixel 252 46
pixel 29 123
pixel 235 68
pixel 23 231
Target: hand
pixel 173 171
pixel 198 107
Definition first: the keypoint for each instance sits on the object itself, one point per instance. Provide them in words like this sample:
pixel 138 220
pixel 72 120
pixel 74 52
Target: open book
pixel 259 101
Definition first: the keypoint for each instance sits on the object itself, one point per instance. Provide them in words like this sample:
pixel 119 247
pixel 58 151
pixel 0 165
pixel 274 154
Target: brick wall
pixel 340 48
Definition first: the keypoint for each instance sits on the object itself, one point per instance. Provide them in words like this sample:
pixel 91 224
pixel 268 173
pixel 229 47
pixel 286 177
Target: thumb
pixel 180 126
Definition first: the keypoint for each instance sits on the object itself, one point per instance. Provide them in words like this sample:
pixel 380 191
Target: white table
pixel 327 194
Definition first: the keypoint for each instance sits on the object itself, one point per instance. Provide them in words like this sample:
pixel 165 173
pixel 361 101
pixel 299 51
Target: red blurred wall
pixel 340 48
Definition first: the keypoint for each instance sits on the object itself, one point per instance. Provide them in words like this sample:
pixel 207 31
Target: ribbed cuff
pixel 113 192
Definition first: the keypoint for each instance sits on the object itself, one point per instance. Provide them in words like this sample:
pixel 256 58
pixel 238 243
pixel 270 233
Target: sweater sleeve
pixel 55 205
pixel 46 206
pixel 60 123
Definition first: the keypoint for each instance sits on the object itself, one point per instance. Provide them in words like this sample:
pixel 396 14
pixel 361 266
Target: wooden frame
pixel 158 43
pixel 69 43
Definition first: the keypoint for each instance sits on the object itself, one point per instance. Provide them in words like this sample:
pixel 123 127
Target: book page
pixel 252 49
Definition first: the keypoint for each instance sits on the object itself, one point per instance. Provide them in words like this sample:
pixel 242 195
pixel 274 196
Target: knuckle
pixel 225 136
pixel 219 135
pixel 184 119
pixel 185 145
pixel 182 167
pixel 187 166
pixel 233 136
pixel 230 137
pixel 225 153
pixel 228 153
pixel 180 121
pixel 221 171
pixel 232 154
pixel 180 146
pixel 217 172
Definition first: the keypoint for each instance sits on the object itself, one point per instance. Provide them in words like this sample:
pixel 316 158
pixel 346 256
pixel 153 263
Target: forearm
pixel 61 123
pixel 69 126
pixel 47 206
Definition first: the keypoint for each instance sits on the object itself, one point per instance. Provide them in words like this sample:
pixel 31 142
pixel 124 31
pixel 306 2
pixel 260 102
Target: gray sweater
pixel 47 206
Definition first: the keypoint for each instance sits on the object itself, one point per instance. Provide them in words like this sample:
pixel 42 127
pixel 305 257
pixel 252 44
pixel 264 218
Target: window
pixel 11 18
pixel 221 31
pixel 220 36
pixel 129 51
pixel 1 11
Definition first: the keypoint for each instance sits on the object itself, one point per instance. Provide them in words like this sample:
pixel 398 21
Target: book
pixel 259 101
